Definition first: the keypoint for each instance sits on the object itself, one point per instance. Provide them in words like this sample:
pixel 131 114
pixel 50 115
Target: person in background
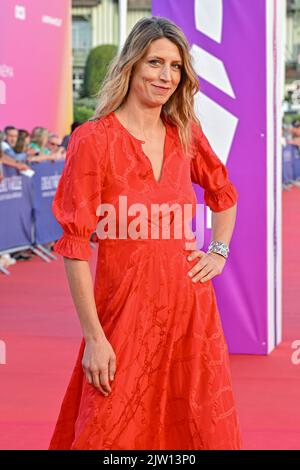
pixel 295 133
pixel 5 259
pixel 55 146
pixel 10 138
pixel 67 137
pixel 7 145
pixel 39 141
pixel 22 150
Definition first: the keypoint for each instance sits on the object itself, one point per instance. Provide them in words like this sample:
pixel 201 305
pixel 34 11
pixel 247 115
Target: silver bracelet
pixel 218 247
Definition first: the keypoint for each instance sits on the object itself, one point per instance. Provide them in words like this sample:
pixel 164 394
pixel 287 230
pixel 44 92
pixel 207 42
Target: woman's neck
pixel 138 119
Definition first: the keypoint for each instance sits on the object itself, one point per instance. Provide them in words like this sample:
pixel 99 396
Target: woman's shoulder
pixel 89 139
pixel 93 128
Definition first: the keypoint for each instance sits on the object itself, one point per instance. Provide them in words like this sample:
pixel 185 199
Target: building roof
pixel 85 3
pixel 137 4
pixel 132 4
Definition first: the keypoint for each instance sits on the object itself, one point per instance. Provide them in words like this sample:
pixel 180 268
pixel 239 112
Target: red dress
pixel 172 388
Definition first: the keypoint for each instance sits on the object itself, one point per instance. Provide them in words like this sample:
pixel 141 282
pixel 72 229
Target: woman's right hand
pixel 99 364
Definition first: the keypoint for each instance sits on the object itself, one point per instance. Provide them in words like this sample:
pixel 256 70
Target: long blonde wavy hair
pixel 38 135
pixel 179 108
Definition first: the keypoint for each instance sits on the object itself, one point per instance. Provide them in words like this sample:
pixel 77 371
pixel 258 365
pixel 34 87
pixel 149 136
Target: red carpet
pixel 42 334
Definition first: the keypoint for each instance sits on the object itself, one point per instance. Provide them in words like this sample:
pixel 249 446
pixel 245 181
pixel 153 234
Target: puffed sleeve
pixel 78 193
pixel 210 173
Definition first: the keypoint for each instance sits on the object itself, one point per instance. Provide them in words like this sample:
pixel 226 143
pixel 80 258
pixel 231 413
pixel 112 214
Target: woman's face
pixel 157 75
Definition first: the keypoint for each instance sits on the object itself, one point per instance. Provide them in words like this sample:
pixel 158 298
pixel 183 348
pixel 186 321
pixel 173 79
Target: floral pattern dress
pixel 172 388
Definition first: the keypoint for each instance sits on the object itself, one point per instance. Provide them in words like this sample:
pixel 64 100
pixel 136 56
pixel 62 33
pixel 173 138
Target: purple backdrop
pixel 242 288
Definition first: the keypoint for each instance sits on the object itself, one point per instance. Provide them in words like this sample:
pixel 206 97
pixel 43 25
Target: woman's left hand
pixel 209 265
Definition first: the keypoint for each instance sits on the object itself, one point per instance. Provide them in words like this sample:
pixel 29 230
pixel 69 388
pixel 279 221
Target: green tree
pixel 96 67
pixel 82 113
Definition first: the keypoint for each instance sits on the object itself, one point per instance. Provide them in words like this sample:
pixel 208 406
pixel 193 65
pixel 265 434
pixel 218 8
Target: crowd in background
pixel 291 155
pixel 19 148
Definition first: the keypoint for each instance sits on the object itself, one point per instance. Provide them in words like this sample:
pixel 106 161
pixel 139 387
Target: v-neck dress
pixel 172 387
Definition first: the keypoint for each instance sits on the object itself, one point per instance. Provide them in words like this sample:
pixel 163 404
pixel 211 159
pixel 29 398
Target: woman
pixel 39 140
pixel 38 143
pixel 153 369
pixel 22 149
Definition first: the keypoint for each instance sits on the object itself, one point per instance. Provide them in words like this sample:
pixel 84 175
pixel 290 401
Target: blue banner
pixel 296 163
pixel 15 209
pixel 44 184
pixel 287 163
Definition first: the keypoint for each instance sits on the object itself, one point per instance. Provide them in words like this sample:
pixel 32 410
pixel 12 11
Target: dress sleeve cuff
pixel 73 247
pixel 223 199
